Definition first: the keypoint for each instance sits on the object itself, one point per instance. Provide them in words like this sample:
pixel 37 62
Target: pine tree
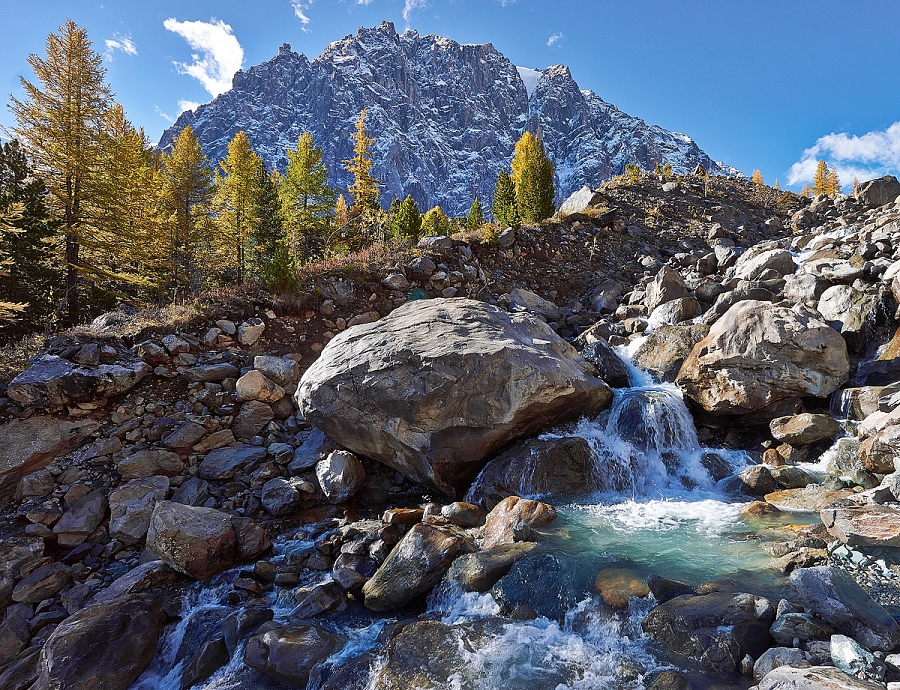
pixel 435 223
pixel 833 183
pixel 504 207
pixel 364 188
pixel 280 273
pixel 186 192
pixel 820 179
pixel 268 239
pixel 533 180
pixel 28 273
pixel 408 222
pixel 59 122
pixel 307 202
pixel 757 178
pixel 475 219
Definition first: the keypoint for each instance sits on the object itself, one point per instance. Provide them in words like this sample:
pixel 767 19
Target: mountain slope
pixel 445 117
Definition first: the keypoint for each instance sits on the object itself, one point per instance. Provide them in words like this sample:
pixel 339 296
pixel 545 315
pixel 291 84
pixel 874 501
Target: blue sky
pixel 768 84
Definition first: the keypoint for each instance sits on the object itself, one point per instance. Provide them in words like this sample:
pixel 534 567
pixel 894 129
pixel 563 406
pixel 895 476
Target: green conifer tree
pixel 475 219
pixel 307 202
pixel 409 220
pixel 435 223
pixel 533 180
pixel 504 207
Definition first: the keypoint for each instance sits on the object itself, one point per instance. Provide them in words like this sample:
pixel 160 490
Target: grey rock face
pixel 438 385
pixel 446 117
pixel 875 193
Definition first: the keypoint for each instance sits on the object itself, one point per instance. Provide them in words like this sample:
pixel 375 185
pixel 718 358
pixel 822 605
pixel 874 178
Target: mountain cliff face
pixel 445 117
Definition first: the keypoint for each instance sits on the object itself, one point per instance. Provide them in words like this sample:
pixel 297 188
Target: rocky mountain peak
pixel 445 116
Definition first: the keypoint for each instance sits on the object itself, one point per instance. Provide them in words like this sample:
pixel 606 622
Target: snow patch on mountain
pixel 530 77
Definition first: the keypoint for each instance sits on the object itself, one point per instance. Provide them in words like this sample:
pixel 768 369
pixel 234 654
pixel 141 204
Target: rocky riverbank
pixel 265 500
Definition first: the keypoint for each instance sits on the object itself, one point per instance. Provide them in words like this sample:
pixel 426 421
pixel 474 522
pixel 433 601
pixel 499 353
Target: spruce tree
pixel 307 202
pixel 504 207
pixel 186 191
pixel 59 122
pixel 820 179
pixel 475 219
pixel 29 273
pixel 268 240
pixel 435 223
pixel 533 180
pixel 409 220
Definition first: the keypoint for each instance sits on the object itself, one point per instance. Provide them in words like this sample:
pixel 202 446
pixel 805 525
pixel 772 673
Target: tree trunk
pixel 72 249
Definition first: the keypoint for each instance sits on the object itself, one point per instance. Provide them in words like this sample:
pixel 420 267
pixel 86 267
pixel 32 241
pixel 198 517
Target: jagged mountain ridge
pixel 445 117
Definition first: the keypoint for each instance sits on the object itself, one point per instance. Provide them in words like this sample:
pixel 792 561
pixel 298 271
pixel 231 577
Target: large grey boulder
pixel 80 521
pixel 104 645
pixel 848 310
pixel 875 193
pixel 752 263
pixel 870 525
pixel 289 653
pixel 666 286
pixel 814 678
pixel 31 444
pixel 580 201
pixel 758 354
pixel 833 595
pixel 340 475
pixel 665 349
pixel 199 542
pixel 439 385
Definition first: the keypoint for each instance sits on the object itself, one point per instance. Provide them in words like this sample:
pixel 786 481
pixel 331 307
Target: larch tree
pixel 364 188
pixel 532 175
pixel 832 183
pixel 757 178
pixel 29 275
pixel 186 191
pixel 820 179
pixel 307 202
pixel 475 219
pixel 238 193
pixel 504 207
pixel 341 212
pixel 435 222
pixel 59 121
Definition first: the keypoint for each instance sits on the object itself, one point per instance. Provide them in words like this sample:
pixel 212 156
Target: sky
pixel 772 85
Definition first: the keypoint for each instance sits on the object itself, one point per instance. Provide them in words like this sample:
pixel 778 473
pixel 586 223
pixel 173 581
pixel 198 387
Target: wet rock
pixel 847 310
pixel 803 429
pixel 758 354
pixel 880 452
pixel 224 463
pixel 610 367
pixel 478 572
pixel 833 595
pixel 810 499
pixel 212 656
pixel 250 331
pixel 51 381
pixel 199 542
pixel 549 466
pixel 415 565
pixel 439 378
pixel 237 625
pixel 79 656
pixel 351 571
pixel 666 286
pixel 871 525
pixel 791 477
pixel 289 653
pixel 545 583
pixel 465 515
pixel 665 349
pixel 79 521
pixel 776 657
pixel 147 463
pixel 759 509
pixel 674 312
pixel 501 522
pixel 756 481
pixel 320 599
pixel 279 497
pixel 251 540
pixel 813 678
pixel 148 576
pixel 716 630
pixel 131 506
pixel 801 626
pixel 855 660
pixel 669 680
pixel 255 386
pixel 617 584
pixel 341 475
pixel 251 419
pixel 664 589
pixel 31 444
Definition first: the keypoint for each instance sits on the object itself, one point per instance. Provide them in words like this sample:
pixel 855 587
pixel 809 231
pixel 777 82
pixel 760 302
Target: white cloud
pixel 411 6
pixel 504 3
pixel 159 112
pixel 187 105
pixel 554 39
pixel 119 42
pixel 300 8
pixel 864 157
pixel 219 54
pixel 363 2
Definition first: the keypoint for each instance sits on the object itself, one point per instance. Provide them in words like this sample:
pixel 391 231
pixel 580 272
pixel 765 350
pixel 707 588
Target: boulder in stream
pixel 289 653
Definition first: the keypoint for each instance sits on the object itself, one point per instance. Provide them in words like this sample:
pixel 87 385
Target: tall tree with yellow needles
pixel 59 120
pixel 532 175
pixel 364 188
pixel 820 179
pixel 757 178
pixel 832 183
